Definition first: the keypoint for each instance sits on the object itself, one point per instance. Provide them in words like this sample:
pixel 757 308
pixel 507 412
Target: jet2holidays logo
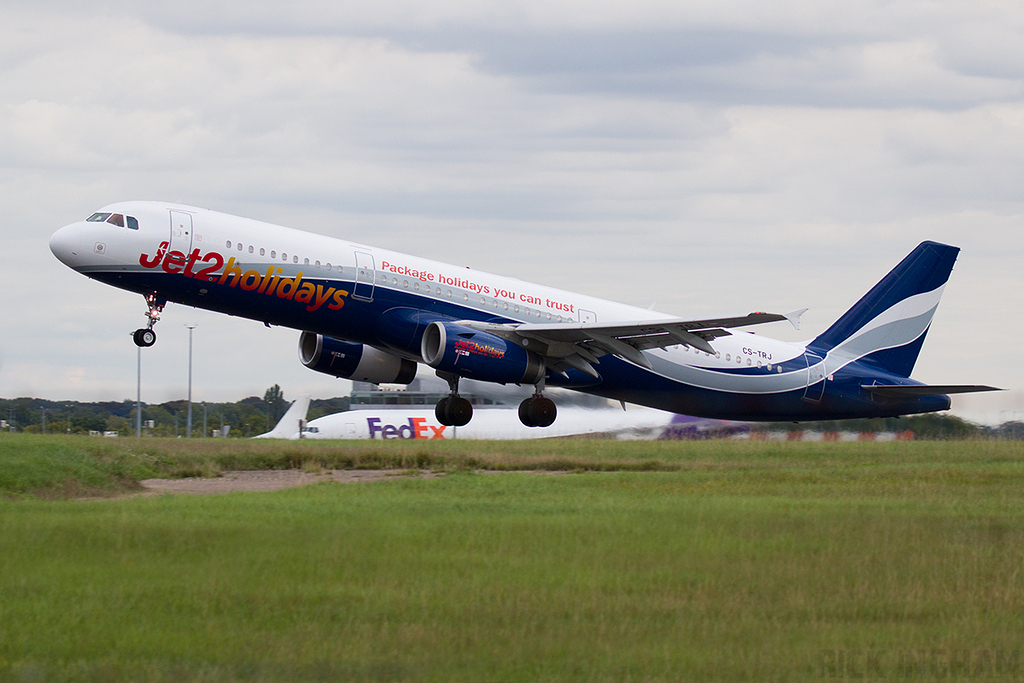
pixel 413 428
pixel 208 267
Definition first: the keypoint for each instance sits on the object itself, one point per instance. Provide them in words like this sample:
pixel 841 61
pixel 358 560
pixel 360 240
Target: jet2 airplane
pixel 374 315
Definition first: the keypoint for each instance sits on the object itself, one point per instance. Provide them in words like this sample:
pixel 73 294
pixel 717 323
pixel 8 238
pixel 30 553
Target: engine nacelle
pixel 353 361
pixel 466 352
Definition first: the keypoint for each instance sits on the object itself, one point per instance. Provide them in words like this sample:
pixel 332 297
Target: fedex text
pixel 413 428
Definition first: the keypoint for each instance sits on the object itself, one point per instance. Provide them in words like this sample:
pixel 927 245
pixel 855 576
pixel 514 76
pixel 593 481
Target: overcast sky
pixel 709 158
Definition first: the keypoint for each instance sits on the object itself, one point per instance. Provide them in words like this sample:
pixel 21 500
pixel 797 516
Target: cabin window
pixel 329 267
pixel 239 245
pixel 295 259
pixel 449 294
pixel 405 283
pixel 727 357
pixel 416 286
pixel 251 249
pixel 317 264
pixel 98 217
pixel 133 223
pixel 284 256
pixel 465 297
pixel 273 253
pixel 306 262
pixel 263 252
pixel 227 244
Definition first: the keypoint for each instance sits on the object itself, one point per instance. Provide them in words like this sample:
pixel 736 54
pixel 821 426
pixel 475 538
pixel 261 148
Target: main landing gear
pixel 538 411
pixel 145 336
pixel 453 410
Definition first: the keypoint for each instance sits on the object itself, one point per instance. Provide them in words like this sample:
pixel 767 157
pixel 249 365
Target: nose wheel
pixel 145 336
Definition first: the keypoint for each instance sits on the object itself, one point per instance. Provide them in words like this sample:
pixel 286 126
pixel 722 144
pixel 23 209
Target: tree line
pixel 247 417
pixel 254 415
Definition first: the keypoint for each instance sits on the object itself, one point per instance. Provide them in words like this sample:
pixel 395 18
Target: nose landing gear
pixel 145 336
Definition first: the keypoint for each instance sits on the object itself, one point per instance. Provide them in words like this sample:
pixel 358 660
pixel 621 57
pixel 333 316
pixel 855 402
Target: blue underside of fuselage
pixel 395 320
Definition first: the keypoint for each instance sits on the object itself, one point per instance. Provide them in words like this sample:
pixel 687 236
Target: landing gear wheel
pixel 537 411
pixel 441 411
pixel 144 337
pixel 453 411
pixel 458 412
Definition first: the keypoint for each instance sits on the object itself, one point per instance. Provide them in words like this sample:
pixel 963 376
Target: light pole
pixel 138 394
pixel 188 421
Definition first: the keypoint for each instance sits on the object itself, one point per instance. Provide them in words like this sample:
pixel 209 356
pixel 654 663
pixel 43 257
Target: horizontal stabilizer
pixel 909 390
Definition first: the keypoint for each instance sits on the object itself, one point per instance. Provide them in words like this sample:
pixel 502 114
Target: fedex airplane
pixel 374 315
pixel 412 423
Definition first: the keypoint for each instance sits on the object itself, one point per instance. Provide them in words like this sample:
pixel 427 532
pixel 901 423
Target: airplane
pixel 411 423
pixel 373 315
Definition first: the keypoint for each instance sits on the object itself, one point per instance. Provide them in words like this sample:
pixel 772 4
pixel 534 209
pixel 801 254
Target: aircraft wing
pixel 579 345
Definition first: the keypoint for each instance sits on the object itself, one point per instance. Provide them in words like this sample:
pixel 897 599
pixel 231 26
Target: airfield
pixel 639 561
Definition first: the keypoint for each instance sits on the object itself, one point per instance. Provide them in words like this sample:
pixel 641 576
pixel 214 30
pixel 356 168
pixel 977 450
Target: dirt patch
pixel 270 480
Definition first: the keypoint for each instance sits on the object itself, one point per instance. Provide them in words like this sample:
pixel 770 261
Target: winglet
pixel 794 317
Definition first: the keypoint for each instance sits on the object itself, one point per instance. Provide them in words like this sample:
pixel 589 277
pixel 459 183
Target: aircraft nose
pixel 66 244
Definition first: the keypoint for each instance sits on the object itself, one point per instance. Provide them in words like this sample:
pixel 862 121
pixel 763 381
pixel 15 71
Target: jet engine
pixel 353 361
pixel 463 351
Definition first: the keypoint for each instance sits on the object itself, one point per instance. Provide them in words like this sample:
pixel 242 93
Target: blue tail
pixel 888 325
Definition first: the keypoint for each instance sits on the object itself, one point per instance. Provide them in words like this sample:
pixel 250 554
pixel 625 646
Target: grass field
pixel 639 562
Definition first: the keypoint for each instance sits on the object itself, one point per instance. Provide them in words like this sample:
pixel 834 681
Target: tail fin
pixel 289 426
pixel 888 325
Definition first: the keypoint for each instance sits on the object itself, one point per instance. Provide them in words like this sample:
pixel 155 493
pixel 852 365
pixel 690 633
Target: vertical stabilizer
pixel 888 325
pixel 289 425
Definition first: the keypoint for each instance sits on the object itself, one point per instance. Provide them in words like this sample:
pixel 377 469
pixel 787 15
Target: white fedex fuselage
pixel 492 423
pixel 389 308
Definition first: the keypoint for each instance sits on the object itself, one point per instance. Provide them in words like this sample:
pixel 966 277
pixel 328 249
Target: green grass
pixel 736 562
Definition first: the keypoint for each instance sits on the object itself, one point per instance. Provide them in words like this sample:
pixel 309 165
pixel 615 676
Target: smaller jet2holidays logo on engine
pixel 414 428
pixel 464 347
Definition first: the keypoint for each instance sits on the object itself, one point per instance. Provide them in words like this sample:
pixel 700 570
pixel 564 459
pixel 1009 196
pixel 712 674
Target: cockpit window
pixel 116 219
pixel 98 217
pixel 133 224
